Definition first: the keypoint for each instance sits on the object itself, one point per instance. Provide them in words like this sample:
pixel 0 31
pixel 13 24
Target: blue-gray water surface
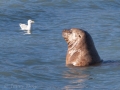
pixel 37 61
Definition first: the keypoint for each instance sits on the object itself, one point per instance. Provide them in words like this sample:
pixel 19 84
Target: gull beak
pixel 33 22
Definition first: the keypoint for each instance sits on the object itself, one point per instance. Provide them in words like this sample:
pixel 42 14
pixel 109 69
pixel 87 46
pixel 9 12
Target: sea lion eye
pixel 70 31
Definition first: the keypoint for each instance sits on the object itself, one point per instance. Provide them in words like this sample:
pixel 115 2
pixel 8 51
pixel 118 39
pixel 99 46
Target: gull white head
pixel 30 21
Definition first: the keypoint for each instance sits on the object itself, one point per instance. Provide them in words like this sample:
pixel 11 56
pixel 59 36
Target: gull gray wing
pixel 23 26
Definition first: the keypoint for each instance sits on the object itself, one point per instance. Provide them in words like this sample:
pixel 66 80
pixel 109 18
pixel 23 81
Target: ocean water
pixel 37 61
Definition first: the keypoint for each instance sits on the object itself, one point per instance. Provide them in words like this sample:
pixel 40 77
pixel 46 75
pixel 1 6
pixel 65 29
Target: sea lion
pixel 81 48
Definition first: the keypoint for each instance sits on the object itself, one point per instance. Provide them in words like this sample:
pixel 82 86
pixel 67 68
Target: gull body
pixel 27 27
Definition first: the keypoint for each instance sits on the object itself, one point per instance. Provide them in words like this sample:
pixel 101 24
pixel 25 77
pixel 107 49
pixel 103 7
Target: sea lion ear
pixel 79 36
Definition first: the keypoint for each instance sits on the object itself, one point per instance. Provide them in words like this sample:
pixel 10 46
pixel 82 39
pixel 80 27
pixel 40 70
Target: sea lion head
pixel 71 35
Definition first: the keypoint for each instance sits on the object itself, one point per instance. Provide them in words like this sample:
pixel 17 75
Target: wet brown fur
pixel 81 48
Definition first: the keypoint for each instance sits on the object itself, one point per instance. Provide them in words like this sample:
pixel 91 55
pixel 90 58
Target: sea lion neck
pixel 73 44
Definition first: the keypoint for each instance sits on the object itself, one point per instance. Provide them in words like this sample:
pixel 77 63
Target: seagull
pixel 27 27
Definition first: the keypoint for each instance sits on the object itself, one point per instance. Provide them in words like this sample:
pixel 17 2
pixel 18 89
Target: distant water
pixel 37 61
